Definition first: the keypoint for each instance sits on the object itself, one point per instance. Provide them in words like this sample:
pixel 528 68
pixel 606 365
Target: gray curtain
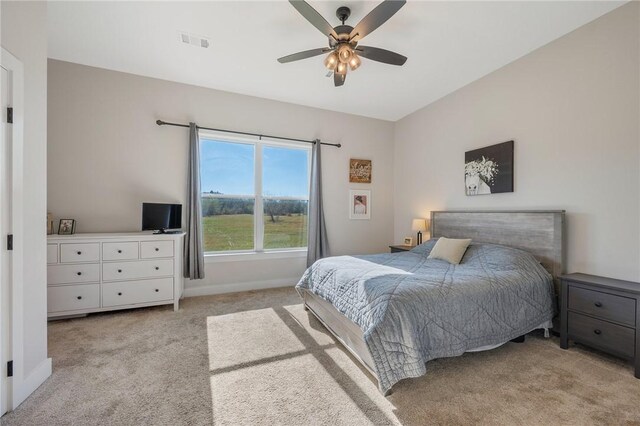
pixel 318 246
pixel 193 254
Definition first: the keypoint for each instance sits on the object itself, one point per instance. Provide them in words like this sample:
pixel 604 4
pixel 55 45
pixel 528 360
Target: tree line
pixel 232 206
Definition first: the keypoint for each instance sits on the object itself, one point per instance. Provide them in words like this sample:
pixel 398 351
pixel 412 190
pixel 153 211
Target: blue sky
pixel 228 168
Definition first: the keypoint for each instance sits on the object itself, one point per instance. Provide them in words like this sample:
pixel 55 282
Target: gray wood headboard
pixel 539 232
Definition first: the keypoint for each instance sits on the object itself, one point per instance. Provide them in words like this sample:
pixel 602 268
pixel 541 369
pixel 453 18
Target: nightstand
pixel 603 313
pixel 399 248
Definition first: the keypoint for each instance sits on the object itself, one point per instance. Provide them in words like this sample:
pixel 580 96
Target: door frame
pixel 15 73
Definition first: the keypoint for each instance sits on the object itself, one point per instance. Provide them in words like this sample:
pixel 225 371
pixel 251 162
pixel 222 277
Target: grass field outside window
pixel 235 232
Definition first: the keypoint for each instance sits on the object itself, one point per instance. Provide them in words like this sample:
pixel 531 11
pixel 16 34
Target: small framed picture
pixel 360 204
pixel 408 241
pixel 67 227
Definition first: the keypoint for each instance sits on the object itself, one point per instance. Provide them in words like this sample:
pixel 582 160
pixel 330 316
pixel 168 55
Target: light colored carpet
pixel 259 358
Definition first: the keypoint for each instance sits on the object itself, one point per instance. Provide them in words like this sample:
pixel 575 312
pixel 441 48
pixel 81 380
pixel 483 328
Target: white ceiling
pixel 449 44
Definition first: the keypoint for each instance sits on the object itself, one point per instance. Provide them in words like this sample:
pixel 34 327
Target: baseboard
pixel 210 289
pixel 32 382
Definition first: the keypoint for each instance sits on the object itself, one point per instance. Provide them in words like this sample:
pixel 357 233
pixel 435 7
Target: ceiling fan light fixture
pixel 344 53
pixel 341 68
pixel 354 62
pixel 331 61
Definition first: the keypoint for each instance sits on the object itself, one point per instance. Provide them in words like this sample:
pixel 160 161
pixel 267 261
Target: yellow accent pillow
pixel 449 249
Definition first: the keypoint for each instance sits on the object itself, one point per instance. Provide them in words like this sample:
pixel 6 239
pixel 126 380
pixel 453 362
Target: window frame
pixel 258 206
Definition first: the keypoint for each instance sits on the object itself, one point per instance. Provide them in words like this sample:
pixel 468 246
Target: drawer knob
pixel 596 331
pixel 119 294
pixel 157 268
pixel 79 253
pixel 79 273
pixel 119 251
pixel 79 297
pixel 119 270
pixel 157 249
pixel 157 290
pixel 598 304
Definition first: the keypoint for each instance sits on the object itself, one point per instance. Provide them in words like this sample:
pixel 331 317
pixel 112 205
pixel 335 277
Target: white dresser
pixel 104 272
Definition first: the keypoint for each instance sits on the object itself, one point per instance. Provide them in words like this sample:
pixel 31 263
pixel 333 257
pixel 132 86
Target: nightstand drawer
pixel 604 335
pixel 603 305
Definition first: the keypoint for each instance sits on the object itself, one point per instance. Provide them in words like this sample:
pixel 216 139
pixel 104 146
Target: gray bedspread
pixel 412 309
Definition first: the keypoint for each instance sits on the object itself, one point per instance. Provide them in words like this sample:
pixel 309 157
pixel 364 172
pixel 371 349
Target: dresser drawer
pixel 133 292
pixel 69 274
pixel 73 297
pixel 52 253
pixel 120 251
pixel 153 249
pixel 118 271
pixel 613 338
pixel 81 252
pixel 603 305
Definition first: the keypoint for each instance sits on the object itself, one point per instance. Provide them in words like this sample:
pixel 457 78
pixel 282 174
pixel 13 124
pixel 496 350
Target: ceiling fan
pixel 344 52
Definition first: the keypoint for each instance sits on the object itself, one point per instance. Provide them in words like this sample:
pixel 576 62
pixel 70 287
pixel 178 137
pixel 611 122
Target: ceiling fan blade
pixel 375 18
pixel 381 55
pixel 338 79
pixel 303 55
pixel 312 15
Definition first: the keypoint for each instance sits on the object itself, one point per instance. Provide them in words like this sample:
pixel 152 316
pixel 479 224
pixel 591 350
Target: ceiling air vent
pixel 194 40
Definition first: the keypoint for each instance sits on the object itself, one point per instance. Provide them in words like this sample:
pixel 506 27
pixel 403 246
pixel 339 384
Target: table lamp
pixel 419 225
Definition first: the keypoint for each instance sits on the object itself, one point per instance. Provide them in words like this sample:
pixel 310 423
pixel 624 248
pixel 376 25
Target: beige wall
pixel 106 156
pixel 24 35
pixel 572 108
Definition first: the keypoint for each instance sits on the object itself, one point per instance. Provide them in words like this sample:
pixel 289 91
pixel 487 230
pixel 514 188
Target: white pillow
pixel 449 249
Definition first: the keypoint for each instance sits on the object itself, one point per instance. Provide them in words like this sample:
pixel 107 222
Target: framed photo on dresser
pixel 67 227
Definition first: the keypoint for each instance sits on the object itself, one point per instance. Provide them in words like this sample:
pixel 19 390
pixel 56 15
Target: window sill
pixel 254 255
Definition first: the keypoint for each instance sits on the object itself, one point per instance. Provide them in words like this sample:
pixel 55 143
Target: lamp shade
pixel 341 68
pixel 354 62
pixel 419 225
pixel 331 60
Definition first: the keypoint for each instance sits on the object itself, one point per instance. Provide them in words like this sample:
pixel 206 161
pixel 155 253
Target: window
pixel 255 194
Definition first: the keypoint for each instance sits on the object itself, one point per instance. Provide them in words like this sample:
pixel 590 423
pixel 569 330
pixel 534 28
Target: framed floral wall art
pixel 489 170
pixel 359 171
pixel 359 204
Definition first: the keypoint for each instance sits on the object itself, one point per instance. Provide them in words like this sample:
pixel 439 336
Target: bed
pixel 395 312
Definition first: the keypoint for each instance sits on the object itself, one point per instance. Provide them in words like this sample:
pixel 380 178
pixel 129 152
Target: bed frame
pixel 540 232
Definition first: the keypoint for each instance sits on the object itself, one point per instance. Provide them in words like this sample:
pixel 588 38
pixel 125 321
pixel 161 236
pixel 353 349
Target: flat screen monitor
pixel 161 217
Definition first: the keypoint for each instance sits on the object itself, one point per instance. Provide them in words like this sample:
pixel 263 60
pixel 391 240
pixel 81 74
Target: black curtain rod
pixel 165 123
